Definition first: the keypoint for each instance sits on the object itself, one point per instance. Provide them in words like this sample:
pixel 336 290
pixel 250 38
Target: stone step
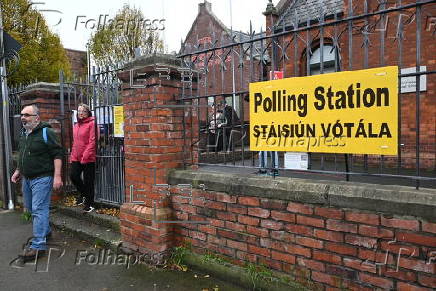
pixel 103 220
pixel 85 229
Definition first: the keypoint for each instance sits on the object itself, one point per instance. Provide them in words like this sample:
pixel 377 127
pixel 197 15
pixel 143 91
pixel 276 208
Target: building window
pixel 330 60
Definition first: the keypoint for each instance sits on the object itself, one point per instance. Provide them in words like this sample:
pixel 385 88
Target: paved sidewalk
pixel 74 270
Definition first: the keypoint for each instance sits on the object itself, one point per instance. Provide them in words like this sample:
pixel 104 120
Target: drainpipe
pixel 5 140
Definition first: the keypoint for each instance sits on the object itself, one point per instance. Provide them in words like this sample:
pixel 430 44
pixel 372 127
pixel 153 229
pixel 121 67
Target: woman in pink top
pixel 83 157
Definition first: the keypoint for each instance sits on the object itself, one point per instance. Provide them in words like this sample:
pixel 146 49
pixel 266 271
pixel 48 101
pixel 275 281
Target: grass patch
pixel 211 257
pixel 26 216
pixel 177 259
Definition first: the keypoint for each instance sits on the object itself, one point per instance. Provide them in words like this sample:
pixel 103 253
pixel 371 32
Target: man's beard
pixel 28 126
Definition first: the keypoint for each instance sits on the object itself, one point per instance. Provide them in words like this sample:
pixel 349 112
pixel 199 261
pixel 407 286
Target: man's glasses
pixel 27 114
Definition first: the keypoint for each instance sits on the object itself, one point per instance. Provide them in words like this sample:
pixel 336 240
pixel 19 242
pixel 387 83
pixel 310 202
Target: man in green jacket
pixel 39 166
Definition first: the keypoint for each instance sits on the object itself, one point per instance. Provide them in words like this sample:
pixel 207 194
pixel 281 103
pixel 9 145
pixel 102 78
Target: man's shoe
pixel 80 202
pixel 88 209
pixel 30 254
pixel 262 173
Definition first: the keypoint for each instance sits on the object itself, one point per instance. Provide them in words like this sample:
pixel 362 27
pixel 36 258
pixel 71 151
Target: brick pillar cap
pixel 165 60
pixel 149 63
pixel 36 89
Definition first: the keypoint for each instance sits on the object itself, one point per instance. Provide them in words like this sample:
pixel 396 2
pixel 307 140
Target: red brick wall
pixel 330 247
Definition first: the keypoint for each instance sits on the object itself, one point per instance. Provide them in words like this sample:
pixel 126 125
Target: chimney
pixel 205 5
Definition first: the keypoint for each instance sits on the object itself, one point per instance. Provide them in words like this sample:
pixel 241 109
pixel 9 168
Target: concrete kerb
pixel 398 200
pixel 93 234
pixel 238 275
pixel 96 218
pixel 100 229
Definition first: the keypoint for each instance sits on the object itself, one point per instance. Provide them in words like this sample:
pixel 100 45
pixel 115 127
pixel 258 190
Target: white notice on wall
pixel 408 84
pixel 296 161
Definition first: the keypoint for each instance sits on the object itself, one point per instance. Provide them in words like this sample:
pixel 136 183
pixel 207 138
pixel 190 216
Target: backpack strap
pixel 44 134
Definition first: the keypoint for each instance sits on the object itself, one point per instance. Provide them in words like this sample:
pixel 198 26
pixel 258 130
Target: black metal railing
pixel 361 36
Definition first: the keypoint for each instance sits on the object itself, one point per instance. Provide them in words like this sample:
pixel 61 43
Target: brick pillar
pixel 46 97
pixel 154 128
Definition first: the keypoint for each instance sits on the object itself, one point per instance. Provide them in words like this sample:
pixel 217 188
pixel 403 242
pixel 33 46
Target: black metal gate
pixel 110 145
pixel 101 94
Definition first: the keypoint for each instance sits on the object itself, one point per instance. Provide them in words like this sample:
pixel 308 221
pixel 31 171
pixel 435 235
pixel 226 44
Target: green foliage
pixel 177 259
pixel 211 257
pixel 258 273
pixel 42 54
pixel 26 216
pixel 116 42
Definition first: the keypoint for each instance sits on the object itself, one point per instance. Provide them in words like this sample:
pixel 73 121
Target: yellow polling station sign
pixel 344 112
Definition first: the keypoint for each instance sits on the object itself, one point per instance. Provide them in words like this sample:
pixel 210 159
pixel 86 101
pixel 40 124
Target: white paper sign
pixel 74 116
pixel 104 115
pixel 296 160
pixel 408 84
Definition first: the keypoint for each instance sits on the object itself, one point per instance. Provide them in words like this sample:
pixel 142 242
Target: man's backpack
pixel 44 134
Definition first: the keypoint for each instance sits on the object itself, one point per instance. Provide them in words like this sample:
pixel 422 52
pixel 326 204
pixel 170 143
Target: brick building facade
pixel 377 40
pixel 78 62
pixel 208 32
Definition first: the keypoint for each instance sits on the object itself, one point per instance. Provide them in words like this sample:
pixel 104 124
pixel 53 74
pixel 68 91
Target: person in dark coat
pixel 39 167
